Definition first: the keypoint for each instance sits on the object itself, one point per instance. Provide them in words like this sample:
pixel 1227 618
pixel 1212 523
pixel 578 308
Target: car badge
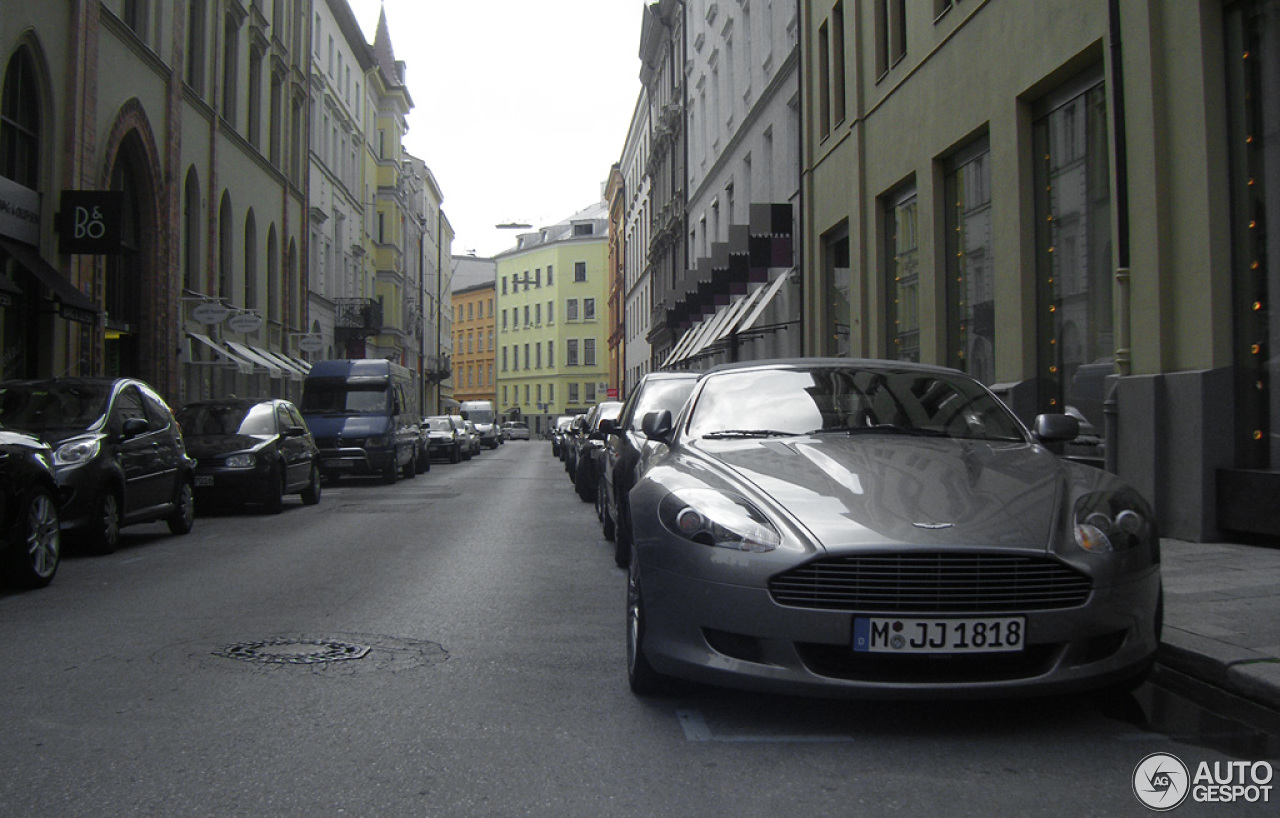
pixel 934 526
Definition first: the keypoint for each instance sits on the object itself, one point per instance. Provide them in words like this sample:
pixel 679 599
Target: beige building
pixel 194 115
pixel 1069 200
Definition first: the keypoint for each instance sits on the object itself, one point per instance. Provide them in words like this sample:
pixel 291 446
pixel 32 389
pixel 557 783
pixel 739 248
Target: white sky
pixel 520 106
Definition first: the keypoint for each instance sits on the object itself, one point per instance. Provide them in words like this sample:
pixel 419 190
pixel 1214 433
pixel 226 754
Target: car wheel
pixel 183 515
pixel 311 494
pixel 644 680
pixel 410 468
pixel 622 539
pixel 585 482
pixel 606 519
pixel 36 562
pixel 455 454
pixel 391 472
pixel 104 536
pixel 422 462
pixel 274 502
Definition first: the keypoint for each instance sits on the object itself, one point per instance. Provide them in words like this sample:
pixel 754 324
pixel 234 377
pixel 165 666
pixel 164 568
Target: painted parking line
pixel 696 729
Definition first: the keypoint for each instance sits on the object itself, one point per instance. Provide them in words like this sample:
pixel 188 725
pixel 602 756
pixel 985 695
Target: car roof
pixel 882 364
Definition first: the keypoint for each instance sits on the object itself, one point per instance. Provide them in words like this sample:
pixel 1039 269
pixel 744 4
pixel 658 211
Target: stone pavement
pixel 1222 616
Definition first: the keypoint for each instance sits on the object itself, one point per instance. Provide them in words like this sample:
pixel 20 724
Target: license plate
pixel 204 480
pixel 978 635
pixel 339 464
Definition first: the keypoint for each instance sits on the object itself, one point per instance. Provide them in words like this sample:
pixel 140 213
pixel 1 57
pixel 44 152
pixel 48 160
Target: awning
pixel 303 366
pixel 291 369
pixel 749 321
pixel 725 322
pixel 739 316
pixel 225 356
pixel 72 304
pixel 274 369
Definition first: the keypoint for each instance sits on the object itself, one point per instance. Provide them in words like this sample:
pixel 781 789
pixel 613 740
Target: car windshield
pixel 40 407
pixel 338 398
pixel 850 401
pixel 438 425
pixel 659 395
pixel 228 419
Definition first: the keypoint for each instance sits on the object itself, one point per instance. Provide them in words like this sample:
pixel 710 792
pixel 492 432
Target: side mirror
pixel 1055 428
pixel 608 427
pixel 295 431
pixel 133 427
pixel 657 426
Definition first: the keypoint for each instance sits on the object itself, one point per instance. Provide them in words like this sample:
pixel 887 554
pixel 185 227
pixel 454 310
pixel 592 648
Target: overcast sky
pixel 520 106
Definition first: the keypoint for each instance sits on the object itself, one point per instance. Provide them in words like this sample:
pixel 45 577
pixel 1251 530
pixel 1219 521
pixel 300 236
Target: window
pixel 588 309
pixel 526 315
pixel 490 348
pixel 571 352
pixel 195 46
pixel 824 79
pixel 537 314
pixel 589 352
pixel 504 359
pixel 551 315
pixel 471 311
pixel 526 394
pixel 902 276
pixel 526 279
pixel 971 320
pixel 537 356
pixel 230 46
pixel 504 285
pixel 191 224
pixel 571 310
pixel 837 281
pixel 537 277
pixel 579 271
pixel 551 353
pixel 1075 344
pixel 526 356
pixel 549 281
pixel 590 389
pixel 573 393
pixel 837 62
pixel 250 261
pixel 504 320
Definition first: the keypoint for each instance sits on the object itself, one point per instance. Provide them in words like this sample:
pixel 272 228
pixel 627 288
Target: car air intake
pixel 932 582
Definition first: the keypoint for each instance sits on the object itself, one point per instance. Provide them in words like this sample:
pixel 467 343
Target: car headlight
pixel 719 519
pixel 1107 521
pixel 241 461
pixel 77 452
pixel 376 442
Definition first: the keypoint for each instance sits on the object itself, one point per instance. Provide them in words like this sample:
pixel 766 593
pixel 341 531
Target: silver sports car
pixel 880 529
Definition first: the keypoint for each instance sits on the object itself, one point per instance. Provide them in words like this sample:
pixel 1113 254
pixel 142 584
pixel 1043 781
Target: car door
pixel 138 455
pixel 293 448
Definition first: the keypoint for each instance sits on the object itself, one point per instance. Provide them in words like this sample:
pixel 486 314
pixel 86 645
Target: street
pixel 457 650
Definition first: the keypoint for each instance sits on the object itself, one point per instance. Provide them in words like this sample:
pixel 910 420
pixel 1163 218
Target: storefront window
pixel 902 276
pixel 971 319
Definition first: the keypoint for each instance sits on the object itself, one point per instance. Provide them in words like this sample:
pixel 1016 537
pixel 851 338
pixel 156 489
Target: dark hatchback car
pixel 118 453
pixel 590 449
pixel 251 451
pixel 30 542
pixel 623 443
pixel 444 439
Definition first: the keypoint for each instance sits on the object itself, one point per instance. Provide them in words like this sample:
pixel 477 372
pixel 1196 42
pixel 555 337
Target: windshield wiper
pixel 723 433
pixel 881 428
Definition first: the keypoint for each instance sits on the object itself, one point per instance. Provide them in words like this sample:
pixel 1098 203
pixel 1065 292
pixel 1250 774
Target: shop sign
pixel 244 322
pixel 210 312
pixel 19 212
pixel 90 221
pixel 311 342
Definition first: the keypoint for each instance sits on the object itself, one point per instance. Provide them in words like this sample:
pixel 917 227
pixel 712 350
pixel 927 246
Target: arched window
pixel 226 273
pixel 191 234
pixel 250 261
pixel 20 123
pixel 273 276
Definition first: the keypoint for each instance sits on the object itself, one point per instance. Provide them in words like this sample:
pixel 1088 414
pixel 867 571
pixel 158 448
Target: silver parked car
pixel 881 529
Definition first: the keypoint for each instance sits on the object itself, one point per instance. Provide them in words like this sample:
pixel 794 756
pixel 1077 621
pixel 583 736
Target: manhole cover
pixel 294 651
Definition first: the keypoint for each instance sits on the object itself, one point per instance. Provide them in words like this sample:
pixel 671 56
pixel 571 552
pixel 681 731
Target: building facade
pixel 1068 200
pixel 200 135
pixel 552 323
pixel 474 341
pixel 637 297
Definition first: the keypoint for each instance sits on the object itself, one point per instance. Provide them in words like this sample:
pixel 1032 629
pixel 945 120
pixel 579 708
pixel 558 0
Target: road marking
pixel 696 729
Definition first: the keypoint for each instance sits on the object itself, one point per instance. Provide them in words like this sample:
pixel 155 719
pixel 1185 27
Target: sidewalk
pixel 1222 616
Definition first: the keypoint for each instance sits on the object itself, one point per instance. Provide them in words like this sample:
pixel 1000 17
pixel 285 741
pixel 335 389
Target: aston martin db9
pixel 881 529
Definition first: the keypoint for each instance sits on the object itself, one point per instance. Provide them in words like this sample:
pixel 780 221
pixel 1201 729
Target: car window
pixel 283 421
pixel 295 418
pixel 37 407
pixel 127 406
pixel 659 395
pixel 158 415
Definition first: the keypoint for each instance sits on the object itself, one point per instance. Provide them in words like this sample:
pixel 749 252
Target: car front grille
pixel 932 582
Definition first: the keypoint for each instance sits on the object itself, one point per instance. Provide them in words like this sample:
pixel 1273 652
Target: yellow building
pixel 553 327
pixel 474 377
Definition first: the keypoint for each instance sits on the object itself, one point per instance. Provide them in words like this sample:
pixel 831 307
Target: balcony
pixel 357 317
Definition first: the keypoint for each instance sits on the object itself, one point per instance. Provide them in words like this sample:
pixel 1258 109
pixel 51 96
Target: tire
pixel 455 454
pixel 622 539
pixel 422 462
pixel 274 502
pixel 586 482
pixel 311 494
pixel 36 560
pixel 183 516
pixel 606 519
pixel 410 470
pixel 643 679
pixel 104 536
pixel 391 473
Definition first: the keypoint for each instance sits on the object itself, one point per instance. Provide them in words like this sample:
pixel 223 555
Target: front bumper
pixel 738 636
pixel 356 461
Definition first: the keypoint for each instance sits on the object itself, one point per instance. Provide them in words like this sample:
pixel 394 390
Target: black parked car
pixel 590 450
pixel 623 443
pixel 118 454
pixel 444 439
pixel 251 451
pixel 30 542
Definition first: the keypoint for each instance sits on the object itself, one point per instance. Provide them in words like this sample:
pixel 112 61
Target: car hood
pixel 217 445
pixel 349 427
pixel 856 490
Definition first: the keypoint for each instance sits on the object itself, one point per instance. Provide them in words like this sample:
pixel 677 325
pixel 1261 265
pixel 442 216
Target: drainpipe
pixel 1123 351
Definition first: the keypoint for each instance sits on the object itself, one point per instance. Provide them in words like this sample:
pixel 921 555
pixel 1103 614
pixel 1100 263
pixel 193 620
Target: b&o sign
pixel 90 221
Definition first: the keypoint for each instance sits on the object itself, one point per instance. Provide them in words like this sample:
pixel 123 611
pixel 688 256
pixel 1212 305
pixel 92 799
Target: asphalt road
pixel 472 622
